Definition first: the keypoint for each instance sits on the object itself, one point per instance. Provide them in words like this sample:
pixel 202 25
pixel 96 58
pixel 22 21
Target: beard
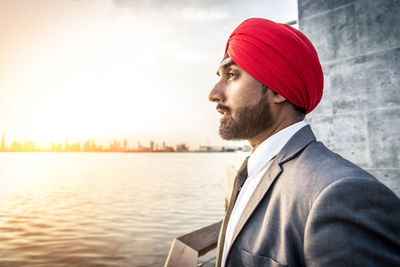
pixel 250 121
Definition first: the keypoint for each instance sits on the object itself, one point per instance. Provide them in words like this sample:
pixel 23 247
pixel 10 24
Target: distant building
pixel 29 146
pixel 204 148
pixel 169 149
pixel 3 142
pixel 182 148
pixel 210 148
pixel 229 149
pixel 66 145
pixel 90 146
pixel 94 146
pixel 59 147
pixel 75 147
pixel 16 147
pixel 115 147
pixel 87 146
pixel 151 146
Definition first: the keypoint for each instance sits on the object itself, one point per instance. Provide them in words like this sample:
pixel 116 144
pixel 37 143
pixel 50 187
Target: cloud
pixel 176 10
pixel 164 4
pixel 221 11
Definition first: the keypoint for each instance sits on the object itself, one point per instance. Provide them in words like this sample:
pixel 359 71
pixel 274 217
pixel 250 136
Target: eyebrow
pixel 226 63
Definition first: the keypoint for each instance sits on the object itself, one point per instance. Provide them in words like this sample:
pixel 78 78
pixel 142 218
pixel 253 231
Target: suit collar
pixel 296 144
pixel 270 147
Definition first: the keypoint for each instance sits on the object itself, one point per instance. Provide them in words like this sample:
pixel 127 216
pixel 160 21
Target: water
pixel 104 209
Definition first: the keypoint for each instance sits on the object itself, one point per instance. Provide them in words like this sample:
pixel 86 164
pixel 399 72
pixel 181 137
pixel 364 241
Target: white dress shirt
pixel 258 163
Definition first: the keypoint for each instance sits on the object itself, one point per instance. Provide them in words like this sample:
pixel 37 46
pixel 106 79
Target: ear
pixel 277 98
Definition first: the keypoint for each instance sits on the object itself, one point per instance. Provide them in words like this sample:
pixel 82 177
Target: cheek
pixel 247 97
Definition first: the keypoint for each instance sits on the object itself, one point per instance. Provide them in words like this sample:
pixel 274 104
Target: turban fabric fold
pixel 280 57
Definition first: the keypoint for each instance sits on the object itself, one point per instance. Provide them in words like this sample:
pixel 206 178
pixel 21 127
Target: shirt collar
pixel 270 147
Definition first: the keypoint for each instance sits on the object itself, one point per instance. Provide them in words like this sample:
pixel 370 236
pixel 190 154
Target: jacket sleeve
pixel 353 222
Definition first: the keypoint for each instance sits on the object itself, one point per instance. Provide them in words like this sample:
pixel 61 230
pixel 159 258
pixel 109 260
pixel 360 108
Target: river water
pixel 104 209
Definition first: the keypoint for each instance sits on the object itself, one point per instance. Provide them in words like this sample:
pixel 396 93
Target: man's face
pixel 242 102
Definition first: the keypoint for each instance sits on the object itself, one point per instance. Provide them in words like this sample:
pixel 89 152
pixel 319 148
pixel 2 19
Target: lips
pixel 224 110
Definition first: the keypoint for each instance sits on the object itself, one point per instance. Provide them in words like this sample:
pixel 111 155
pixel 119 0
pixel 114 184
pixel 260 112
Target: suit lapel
pixel 297 143
pixel 262 188
pixel 239 181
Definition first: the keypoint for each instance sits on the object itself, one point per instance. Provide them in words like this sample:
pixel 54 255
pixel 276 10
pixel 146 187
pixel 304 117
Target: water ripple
pixel 104 209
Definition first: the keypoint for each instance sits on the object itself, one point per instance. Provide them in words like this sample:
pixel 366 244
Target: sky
pixel 117 69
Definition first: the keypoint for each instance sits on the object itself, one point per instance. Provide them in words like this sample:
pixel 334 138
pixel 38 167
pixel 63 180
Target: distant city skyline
pixel 115 146
pixel 139 70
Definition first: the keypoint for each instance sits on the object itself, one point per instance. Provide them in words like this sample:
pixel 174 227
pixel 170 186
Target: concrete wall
pixel 358 43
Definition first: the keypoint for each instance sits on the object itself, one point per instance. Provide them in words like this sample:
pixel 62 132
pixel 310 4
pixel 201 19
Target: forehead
pixel 226 61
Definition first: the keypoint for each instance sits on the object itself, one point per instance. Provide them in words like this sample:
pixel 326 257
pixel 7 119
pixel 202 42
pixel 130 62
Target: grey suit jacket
pixel 314 208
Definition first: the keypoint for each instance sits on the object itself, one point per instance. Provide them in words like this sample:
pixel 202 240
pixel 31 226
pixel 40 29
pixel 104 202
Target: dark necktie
pixel 239 181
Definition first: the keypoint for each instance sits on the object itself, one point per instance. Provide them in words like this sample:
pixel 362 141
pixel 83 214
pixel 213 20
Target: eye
pixel 231 75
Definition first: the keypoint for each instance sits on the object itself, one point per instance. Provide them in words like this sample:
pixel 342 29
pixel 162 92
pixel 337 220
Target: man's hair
pixel 296 108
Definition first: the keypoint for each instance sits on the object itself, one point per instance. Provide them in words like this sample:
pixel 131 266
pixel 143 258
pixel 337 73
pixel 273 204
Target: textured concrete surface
pixel 358 43
pixel 344 135
pixel 384 141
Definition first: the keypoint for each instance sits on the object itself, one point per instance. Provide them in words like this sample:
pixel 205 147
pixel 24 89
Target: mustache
pixel 223 107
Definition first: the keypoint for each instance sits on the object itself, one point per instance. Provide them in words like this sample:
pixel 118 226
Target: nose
pixel 217 94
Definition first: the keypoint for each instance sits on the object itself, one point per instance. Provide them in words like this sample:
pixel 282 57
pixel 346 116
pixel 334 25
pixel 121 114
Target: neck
pixel 257 140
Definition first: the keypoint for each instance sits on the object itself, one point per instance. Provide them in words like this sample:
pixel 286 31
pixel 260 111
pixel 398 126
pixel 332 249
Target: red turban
pixel 280 57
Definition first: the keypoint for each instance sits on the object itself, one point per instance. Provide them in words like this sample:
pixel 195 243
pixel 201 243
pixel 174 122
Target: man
pixel 294 202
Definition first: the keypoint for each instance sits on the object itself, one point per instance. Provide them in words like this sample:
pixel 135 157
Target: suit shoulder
pixel 318 166
pixel 354 216
pixel 316 169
